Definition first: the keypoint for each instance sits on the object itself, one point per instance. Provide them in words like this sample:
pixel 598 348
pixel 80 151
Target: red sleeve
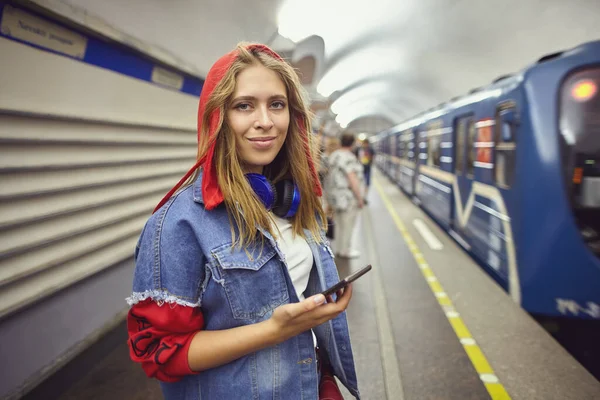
pixel 160 337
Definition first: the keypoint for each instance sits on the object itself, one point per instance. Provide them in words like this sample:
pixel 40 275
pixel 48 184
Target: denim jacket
pixel 185 256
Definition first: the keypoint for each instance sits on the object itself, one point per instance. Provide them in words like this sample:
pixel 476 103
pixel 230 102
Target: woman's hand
pixel 290 320
pixel 210 349
pixel 329 212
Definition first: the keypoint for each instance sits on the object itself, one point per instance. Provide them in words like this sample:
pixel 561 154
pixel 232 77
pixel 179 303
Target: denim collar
pixel 197 188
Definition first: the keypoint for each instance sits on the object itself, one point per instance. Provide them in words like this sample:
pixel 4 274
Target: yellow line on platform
pixel 483 368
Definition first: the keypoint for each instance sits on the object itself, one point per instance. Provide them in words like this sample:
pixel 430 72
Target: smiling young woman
pixel 259 116
pixel 237 251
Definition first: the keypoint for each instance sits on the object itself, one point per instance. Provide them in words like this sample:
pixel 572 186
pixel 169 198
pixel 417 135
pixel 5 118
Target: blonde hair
pixel 244 207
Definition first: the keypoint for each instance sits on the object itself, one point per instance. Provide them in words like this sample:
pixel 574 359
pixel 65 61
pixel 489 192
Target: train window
pixel 410 145
pixel 461 128
pixel 433 149
pixel 506 130
pixel 484 144
pixel 402 146
pixel 421 150
pixel 504 169
pixel 472 132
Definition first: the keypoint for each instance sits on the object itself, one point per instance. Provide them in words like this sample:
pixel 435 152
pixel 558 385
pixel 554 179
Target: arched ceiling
pixel 380 61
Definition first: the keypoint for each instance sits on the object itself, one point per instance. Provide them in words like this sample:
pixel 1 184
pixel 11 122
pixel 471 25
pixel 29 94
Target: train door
pixel 398 166
pixel 506 218
pixel 414 157
pixel 401 153
pixel 463 169
pixel 411 156
pixel 420 151
pixel 394 158
pixel 406 156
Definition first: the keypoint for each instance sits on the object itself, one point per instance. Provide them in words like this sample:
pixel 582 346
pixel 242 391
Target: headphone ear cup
pixel 285 198
pixel 264 189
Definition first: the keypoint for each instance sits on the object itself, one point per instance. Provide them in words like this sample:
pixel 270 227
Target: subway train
pixel 511 171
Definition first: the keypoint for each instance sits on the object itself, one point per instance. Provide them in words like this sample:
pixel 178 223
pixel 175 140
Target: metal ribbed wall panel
pixel 74 196
pixel 85 155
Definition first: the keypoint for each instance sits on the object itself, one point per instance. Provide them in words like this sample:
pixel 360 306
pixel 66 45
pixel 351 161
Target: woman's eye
pixel 279 105
pixel 242 107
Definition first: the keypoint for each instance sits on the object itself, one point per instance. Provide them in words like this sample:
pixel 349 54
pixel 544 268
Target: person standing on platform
pixel 226 299
pixel 365 155
pixel 331 144
pixel 344 194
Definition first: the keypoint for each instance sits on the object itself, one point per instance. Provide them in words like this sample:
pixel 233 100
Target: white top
pixel 297 254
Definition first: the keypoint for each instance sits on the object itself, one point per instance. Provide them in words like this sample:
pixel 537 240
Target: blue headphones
pixel 282 198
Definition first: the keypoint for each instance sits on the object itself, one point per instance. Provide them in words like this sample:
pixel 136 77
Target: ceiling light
pixel 377 89
pixel 364 63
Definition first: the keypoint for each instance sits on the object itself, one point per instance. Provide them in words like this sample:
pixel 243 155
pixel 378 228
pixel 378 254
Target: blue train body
pixel 512 172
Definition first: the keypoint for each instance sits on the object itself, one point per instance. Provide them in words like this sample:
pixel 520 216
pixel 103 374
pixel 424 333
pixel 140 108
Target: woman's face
pixel 259 116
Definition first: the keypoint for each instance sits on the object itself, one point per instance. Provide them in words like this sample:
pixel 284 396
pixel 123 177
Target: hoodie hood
pixel 211 192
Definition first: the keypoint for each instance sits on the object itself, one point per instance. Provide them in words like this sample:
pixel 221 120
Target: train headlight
pixel 584 90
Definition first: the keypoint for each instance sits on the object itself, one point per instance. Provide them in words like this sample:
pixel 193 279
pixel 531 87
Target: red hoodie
pixel 211 192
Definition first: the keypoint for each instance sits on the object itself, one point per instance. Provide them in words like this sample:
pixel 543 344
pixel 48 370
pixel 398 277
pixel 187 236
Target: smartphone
pixel 344 282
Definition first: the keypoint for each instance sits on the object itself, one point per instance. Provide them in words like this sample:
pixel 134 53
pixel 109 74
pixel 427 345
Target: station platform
pixel 425 323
